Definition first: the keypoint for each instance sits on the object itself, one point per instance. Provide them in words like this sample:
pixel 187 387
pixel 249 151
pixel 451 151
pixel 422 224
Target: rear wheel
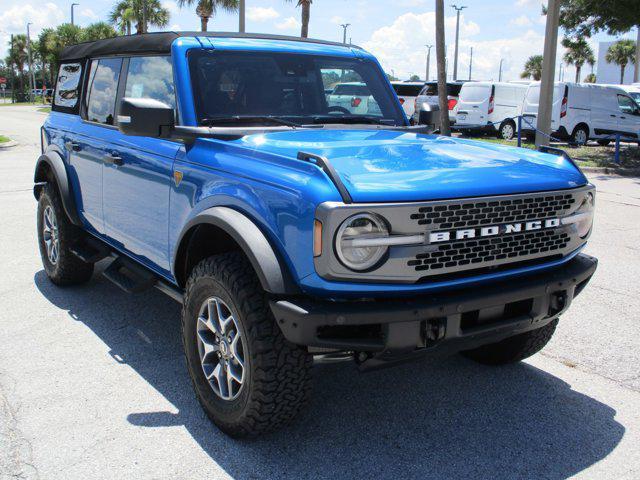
pixel 507 130
pixel 580 134
pixel 513 349
pixel 246 376
pixel 56 235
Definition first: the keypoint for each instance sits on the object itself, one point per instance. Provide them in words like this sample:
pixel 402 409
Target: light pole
pixel 548 65
pixel 470 63
pixel 455 55
pixel 241 26
pixel 344 32
pixel 32 78
pixel 73 5
pixel 500 70
pixel 429 47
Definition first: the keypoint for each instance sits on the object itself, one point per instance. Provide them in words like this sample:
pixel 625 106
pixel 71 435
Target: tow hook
pixel 435 330
pixel 557 302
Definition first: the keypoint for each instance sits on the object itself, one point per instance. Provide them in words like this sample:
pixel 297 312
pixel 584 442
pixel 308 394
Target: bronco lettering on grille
pixel 492 230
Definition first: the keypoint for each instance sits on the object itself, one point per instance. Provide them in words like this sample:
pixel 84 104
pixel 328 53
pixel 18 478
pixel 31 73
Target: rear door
pixel 94 136
pixel 137 182
pixel 473 104
pixel 604 111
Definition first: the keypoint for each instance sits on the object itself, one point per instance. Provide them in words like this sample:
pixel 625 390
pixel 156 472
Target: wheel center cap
pixel 224 348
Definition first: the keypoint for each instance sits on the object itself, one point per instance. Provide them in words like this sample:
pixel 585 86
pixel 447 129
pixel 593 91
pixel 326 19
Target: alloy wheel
pixel 50 234
pixel 221 348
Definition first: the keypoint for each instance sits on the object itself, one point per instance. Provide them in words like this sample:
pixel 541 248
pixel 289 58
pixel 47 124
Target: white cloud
pixel 88 13
pixel 521 21
pixel 14 21
pixel 175 28
pixel 531 3
pixel 400 46
pixel 261 14
pixel 171 6
pixel 337 20
pixel 290 23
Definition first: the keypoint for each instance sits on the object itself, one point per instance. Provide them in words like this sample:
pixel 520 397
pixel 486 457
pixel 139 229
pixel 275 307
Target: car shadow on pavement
pixel 447 418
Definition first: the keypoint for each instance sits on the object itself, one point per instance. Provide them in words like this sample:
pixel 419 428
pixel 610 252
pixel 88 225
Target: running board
pixel 90 250
pixel 128 276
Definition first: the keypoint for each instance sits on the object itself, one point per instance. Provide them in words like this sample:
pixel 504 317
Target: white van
pixel 583 111
pixel 491 107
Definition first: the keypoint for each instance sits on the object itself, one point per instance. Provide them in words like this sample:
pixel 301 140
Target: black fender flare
pixel 55 164
pixel 272 273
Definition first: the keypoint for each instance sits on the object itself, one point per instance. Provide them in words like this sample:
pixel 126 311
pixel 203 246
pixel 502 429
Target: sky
pixel 395 31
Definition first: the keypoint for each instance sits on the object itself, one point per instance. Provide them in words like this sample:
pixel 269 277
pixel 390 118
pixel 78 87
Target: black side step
pixel 128 276
pixel 90 250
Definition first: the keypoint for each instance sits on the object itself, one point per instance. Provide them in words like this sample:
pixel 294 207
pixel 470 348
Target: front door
pixel 137 180
pixel 629 117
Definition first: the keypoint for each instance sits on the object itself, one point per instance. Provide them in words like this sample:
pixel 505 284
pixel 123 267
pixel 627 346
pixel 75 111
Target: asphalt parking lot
pixel 93 383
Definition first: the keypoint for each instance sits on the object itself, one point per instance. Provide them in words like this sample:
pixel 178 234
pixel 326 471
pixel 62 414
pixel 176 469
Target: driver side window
pixel 627 105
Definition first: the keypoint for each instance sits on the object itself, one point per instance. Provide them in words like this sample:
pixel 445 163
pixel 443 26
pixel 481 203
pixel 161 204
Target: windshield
pixel 635 96
pixel 257 86
pixel 404 90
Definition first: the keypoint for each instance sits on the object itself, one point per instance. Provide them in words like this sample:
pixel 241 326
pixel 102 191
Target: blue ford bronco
pixel 292 222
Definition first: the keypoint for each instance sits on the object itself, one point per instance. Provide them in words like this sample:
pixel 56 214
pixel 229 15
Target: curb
pixel 9 144
pixel 630 172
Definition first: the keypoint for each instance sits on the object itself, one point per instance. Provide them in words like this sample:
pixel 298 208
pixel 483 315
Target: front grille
pixel 477 251
pixel 493 212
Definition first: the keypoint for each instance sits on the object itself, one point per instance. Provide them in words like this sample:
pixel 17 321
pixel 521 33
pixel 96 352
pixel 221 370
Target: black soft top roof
pixel 160 42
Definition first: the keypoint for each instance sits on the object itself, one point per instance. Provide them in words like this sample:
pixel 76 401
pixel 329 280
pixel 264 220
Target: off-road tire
pixel 278 381
pixel 68 269
pixel 513 349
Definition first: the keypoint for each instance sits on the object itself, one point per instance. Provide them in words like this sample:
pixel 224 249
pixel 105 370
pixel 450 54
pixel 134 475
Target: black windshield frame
pixel 309 66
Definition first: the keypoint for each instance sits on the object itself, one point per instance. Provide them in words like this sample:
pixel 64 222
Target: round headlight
pixel 584 215
pixel 353 241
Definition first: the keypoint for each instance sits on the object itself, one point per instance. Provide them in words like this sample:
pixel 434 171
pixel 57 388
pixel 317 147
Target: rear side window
pixel 360 90
pixel 103 87
pixel 407 90
pixel 475 93
pixel 68 86
pixel 151 77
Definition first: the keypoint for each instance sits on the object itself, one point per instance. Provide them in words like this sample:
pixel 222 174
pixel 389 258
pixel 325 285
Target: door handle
pixel 623 118
pixel 113 159
pixel 612 115
pixel 73 146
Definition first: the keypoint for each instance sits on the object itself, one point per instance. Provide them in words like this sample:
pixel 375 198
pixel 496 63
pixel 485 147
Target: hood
pixel 390 166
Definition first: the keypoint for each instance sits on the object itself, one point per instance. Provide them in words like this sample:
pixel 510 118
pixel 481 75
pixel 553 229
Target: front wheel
pixel 513 349
pixel 247 377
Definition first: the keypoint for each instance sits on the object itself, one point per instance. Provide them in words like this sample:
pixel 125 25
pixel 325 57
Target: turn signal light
pixel 317 238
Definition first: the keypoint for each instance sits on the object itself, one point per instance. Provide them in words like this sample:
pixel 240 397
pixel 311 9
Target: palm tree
pixel 533 68
pixel 98 31
pixel 591 78
pixel 47 41
pixel 621 53
pixel 127 11
pixel 305 14
pixel 18 57
pixel 578 53
pixel 205 9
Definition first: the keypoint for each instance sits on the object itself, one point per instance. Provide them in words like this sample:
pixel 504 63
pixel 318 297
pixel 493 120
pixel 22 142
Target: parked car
pixel 353 98
pixel 407 93
pixel 632 90
pixel 428 97
pixel 490 107
pixel 583 111
pixel 214 170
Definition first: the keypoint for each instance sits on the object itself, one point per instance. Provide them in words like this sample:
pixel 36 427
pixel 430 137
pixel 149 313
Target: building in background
pixel 610 72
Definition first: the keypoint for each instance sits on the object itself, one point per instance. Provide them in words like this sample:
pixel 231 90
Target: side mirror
pixel 145 117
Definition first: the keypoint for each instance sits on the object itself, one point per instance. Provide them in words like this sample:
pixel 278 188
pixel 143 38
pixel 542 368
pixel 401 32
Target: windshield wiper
pixel 210 121
pixel 353 119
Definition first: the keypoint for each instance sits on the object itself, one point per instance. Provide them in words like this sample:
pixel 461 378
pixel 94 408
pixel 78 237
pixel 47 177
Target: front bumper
pixel 397 329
